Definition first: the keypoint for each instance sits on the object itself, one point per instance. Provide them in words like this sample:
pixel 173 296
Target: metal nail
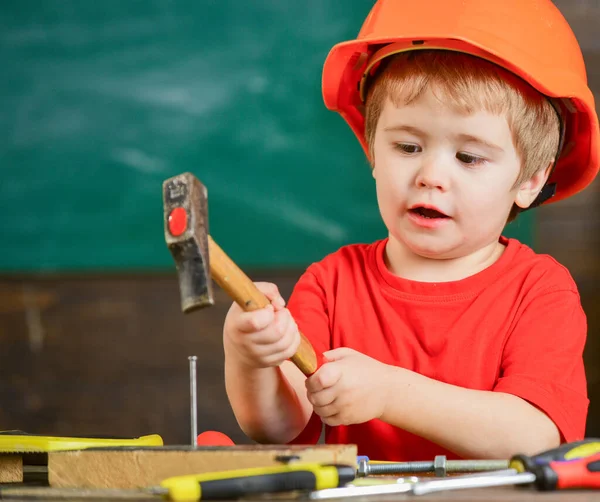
pixel 193 401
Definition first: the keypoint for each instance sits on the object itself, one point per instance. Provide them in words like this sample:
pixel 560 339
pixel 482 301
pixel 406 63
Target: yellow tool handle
pixel 19 442
pixel 242 482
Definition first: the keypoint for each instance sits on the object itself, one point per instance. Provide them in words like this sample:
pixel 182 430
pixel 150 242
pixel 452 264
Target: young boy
pixel 444 338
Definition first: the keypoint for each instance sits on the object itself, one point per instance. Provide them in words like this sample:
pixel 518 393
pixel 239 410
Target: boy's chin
pixel 441 248
pixel 432 248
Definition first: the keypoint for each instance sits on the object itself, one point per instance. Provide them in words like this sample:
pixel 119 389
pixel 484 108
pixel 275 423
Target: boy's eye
pixel 471 160
pixel 408 147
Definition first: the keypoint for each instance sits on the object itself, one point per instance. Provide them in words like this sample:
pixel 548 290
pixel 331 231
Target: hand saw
pixel 15 441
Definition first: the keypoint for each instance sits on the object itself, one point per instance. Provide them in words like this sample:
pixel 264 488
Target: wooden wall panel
pixel 108 355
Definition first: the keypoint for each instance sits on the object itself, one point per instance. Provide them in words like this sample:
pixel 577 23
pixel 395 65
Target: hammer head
pixel 185 204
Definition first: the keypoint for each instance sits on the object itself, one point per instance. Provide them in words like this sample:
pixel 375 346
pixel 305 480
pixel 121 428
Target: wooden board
pixel 143 467
pixel 11 469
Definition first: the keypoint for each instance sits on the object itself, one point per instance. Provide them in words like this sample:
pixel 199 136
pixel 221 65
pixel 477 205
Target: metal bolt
pixel 440 466
pixel 365 468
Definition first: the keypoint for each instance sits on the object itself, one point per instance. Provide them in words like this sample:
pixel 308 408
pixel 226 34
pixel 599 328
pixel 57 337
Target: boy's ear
pixel 529 190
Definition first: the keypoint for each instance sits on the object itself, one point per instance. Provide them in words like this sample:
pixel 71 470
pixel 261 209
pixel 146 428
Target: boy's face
pixel 445 180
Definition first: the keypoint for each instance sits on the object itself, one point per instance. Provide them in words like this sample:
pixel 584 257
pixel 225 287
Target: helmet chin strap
pixel 549 189
pixel 547 192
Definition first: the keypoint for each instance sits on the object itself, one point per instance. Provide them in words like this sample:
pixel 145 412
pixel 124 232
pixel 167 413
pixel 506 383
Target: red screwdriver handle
pixel 578 473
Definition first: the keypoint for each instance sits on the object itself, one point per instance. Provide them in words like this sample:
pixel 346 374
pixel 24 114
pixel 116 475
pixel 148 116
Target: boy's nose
pixel 431 175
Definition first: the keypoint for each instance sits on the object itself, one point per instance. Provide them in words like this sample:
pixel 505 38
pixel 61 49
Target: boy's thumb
pixel 336 354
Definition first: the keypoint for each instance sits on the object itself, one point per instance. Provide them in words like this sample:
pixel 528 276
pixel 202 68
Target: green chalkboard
pixel 100 101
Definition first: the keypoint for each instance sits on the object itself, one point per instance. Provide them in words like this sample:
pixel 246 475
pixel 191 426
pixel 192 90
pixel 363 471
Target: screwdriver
pixel 571 465
pixel 242 482
pixel 579 473
pixel 567 451
pixel 224 485
pixel 561 474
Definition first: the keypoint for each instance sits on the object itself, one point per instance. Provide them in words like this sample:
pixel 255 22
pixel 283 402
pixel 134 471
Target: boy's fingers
pixel 277 358
pixel 286 345
pixel 339 353
pixel 326 376
pixel 327 411
pixel 266 336
pixel 257 320
pixel 322 398
pixel 274 332
pixel 290 342
pixel 283 320
pixel 283 350
pixel 271 291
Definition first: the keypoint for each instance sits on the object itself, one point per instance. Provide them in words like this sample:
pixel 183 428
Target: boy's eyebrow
pixel 469 138
pixel 407 128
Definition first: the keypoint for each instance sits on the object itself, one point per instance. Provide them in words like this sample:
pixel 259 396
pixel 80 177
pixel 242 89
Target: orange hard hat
pixel 530 38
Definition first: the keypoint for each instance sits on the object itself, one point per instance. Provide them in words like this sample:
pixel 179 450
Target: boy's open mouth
pixel 428 212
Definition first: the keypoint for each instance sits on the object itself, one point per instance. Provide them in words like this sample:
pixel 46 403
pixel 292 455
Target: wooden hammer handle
pixel 245 293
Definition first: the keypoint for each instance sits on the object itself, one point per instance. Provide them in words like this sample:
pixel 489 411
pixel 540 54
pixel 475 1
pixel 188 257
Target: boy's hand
pixel 262 338
pixel 350 388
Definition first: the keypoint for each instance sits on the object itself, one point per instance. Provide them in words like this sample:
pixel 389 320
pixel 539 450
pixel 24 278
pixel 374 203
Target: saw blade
pixel 19 442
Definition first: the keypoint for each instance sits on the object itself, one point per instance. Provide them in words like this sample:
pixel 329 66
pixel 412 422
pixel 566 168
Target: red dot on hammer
pixel 213 438
pixel 178 221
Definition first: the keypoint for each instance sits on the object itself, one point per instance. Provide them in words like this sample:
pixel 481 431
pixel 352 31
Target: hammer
pixel 185 203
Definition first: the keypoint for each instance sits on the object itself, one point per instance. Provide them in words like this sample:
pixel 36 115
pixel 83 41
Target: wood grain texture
pixel 11 469
pixel 138 468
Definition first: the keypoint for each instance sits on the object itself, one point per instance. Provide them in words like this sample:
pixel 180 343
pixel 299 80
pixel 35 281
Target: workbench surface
pixel 498 494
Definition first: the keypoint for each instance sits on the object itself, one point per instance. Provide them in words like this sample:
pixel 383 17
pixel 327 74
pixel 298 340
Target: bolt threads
pixel 428 466
pixel 401 467
pixel 476 465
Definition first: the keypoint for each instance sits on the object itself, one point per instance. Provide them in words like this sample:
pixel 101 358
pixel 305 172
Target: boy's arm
pixel 270 404
pixel 539 400
pixel 471 423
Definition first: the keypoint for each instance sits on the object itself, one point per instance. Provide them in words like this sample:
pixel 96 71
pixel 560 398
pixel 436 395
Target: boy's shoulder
pixel 347 256
pixel 542 271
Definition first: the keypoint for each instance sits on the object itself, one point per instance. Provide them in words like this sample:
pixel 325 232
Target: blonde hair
pixel 468 84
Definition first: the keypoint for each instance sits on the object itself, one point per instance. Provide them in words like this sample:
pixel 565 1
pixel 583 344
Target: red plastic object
pixel 213 438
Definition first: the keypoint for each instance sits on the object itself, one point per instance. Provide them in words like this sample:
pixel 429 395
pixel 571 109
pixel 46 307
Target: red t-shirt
pixel 516 327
